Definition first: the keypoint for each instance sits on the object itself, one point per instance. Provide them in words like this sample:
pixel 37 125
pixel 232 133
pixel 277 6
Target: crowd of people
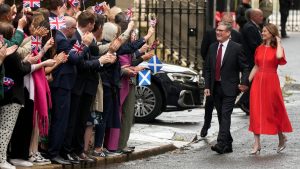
pixel 245 60
pixel 61 80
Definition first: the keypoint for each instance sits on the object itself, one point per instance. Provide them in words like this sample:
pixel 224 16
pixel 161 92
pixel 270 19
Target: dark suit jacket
pixel 233 63
pixel 87 68
pixel 252 39
pixel 64 75
pixel 210 37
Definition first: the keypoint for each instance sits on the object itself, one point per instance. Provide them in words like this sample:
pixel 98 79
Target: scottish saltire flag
pixel 31 3
pixel 74 3
pixel 129 14
pixel 144 78
pixel 36 43
pixel 57 22
pixel 77 47
pixel 99 8
pixel 155 64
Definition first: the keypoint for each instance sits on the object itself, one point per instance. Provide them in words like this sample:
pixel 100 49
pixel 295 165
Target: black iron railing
pixel 181 24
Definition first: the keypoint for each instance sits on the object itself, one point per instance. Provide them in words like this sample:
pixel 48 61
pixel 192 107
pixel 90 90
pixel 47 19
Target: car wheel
pixel 148 103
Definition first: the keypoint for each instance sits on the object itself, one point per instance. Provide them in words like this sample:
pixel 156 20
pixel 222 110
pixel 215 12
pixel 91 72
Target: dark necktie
pixel 218 63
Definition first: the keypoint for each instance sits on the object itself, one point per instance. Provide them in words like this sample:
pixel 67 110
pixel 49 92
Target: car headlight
pixel 183 77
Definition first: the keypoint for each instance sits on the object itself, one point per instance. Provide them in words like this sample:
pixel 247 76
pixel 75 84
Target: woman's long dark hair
pixel 273 30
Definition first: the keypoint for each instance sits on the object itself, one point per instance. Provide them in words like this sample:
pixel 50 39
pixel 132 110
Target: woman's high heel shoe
pixel 282 146
pixel 255 151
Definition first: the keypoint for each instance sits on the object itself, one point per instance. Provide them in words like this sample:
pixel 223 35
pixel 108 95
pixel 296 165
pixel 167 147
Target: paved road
pixel 199 155
pixel 240 158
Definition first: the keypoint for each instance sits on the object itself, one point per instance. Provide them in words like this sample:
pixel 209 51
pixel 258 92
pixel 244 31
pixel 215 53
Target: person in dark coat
pixel 241 18
pixel 208 39
pixel 224 63
pixel 85 87
pixel 251 33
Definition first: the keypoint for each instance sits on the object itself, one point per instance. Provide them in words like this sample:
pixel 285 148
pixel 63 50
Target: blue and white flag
pixel 154 64
pixel 144 78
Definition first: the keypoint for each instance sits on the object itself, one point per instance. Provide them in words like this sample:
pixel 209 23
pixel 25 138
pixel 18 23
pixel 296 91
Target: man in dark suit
pixel 63 81
pixel 225 60
pixel 241 17
pixel 208 39
pixel 252 39
pixel 85 86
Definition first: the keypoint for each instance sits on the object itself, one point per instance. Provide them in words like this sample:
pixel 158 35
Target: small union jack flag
pixel 99 8
pixel 74 3
pixel 78 48
pixel 36 43
pixel 57 22
pixel 32 3
pixel 129 14
pixel 152 22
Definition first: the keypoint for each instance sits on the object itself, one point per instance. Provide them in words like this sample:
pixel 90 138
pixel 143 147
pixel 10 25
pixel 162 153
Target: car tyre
pixel 148 103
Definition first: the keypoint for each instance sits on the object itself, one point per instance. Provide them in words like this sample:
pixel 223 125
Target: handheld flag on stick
pixel 99 8
pixel 155 64
pixel 31 3
pixel 36 43
pixel 129 14
pixel 74 3
pixel 144 77
pixel 152 22
pixel 57 22
pixel 77 47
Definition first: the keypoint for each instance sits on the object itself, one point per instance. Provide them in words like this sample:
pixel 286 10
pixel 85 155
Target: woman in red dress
pixel 267 110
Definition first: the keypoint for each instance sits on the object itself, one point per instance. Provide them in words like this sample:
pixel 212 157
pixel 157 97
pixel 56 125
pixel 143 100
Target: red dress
pixel 267 110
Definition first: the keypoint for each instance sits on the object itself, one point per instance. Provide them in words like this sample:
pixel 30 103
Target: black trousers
pixel 284 13
pixel 61 99
pixel 209 107
pixel 21 137
pixel 79 113
pixel 224 105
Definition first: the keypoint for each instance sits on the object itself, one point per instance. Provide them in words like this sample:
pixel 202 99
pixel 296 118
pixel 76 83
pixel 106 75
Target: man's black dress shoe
pixel 203 132
pixel 221 149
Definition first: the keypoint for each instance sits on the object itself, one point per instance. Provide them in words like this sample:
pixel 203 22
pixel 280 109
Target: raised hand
pixel 31 59
pixel 40 31
pixel 49 63
pixel 22 22
pixel 115 45
pixel 11 50
pixel 87 38
pixel 144 48
pixel 148 55
pixel 107 58
pixel 61 58
pixel 49 44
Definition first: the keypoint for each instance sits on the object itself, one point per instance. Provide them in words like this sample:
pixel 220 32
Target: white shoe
pixel 20 162
pixel 6 165
pixel 38 159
